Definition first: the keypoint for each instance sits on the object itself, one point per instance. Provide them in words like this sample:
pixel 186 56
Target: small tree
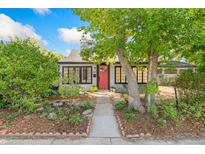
pixel 26 73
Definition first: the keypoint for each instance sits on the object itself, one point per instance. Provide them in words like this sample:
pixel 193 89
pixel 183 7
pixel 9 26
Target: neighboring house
pixel 103 76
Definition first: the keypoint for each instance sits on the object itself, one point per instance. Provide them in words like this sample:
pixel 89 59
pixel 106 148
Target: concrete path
pixel 104 123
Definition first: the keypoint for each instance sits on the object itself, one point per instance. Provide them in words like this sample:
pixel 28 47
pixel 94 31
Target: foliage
pixel 69 90
pixel 26 73
pixel 61 114
pixel 168 109
pixel 87 105
pixel 129 116
pixel 125 96
pixel 161 122
pixel 75 119
pixel 128 110
pixel 120 106
pixel 93 89
pixel 7 125
pixel 152 87
pixel 196 110
pixel 191 86
pixel 153 110
pixel 11 116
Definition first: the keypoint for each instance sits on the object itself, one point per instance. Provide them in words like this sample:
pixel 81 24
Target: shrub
pixel 196 110
pixel 120 106
pixel 128 110
pixel 168 109
pixel 75 119
pixel 152 109
pixel 161 122
pixel 129 116
pixel 69 90
pixel 26 73
pixel 87 105
pixel 93 89
pixel 191 86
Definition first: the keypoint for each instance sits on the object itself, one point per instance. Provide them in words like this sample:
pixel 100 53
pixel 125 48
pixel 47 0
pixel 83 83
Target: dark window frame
pixel 143 82
pixel 80 73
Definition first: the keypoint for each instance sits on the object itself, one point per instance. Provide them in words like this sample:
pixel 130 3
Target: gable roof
pixel 74 57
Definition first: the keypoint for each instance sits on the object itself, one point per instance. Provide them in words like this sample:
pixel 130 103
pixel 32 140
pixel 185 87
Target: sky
pixel 56 29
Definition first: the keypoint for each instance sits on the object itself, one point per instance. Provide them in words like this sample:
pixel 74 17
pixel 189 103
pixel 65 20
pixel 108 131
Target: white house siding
pixel 84 87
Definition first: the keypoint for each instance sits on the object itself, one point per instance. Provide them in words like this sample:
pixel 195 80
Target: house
pixel 88 74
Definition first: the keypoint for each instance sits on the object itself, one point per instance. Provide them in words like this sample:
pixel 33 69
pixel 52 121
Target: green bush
pixel 128 110
pixel 26 73
pixel 120 106
pixel 129 116
pixel 75 119
pixel 191 86
pixel 87 105
pixel 168 109
pixel 93 89
pixel 69 90
pixel 161 122
pixel 153 110
pixel 196 110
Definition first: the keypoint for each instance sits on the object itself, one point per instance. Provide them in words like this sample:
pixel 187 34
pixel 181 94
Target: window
pixel 78 74
pixel 120 78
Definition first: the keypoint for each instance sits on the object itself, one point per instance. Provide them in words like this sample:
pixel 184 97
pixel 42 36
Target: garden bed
pixel 144 126
pixel 67 119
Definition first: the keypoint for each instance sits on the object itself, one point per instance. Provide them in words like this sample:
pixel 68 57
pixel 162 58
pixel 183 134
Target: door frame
pixel 108 75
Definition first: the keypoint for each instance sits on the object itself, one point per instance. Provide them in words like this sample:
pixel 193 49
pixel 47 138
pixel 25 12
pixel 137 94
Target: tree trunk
pixel 152 74
pixel 133 88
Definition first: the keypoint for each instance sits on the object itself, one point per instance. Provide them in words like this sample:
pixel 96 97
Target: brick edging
pixel 57 134
pixel 140 135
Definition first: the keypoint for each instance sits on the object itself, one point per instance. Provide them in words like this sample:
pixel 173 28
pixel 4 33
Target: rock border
pixel 57 134
pixel 140 135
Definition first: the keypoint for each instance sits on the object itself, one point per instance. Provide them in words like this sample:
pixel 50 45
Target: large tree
pixel 161 34
pixel 111 31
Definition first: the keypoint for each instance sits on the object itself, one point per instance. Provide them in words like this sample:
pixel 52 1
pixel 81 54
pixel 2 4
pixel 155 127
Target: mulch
pixel 36 123
pixel 187 128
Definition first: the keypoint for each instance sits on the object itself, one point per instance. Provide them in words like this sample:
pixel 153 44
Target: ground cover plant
pixel 52 117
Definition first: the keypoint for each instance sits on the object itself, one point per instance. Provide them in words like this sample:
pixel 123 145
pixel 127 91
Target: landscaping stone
pixel 51 116
pixel 58 103
pixel 86 112
pixel 40 109
pixel 89 115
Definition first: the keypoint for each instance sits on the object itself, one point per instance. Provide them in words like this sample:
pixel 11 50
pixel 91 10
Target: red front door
pixel 103 77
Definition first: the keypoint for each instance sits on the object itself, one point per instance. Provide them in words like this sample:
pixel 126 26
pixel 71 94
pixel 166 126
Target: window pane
pixel 139 76
pixel 65 71
pixel 89 74
pixel 77 75
pixel 117 74
pixel 123 78
pixel 145 75
pixel 84 74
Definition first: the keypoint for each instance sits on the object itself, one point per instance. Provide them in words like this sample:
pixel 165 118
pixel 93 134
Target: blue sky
pixel 55 28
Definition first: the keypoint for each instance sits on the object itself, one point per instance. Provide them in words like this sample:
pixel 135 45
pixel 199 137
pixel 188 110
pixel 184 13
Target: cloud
pixel 11 28
pixel 71 35
pixel 67 52
pixel 42 11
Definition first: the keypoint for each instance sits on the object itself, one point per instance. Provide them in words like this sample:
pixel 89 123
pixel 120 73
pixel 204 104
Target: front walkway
pixel 104 123
pixel 104 131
